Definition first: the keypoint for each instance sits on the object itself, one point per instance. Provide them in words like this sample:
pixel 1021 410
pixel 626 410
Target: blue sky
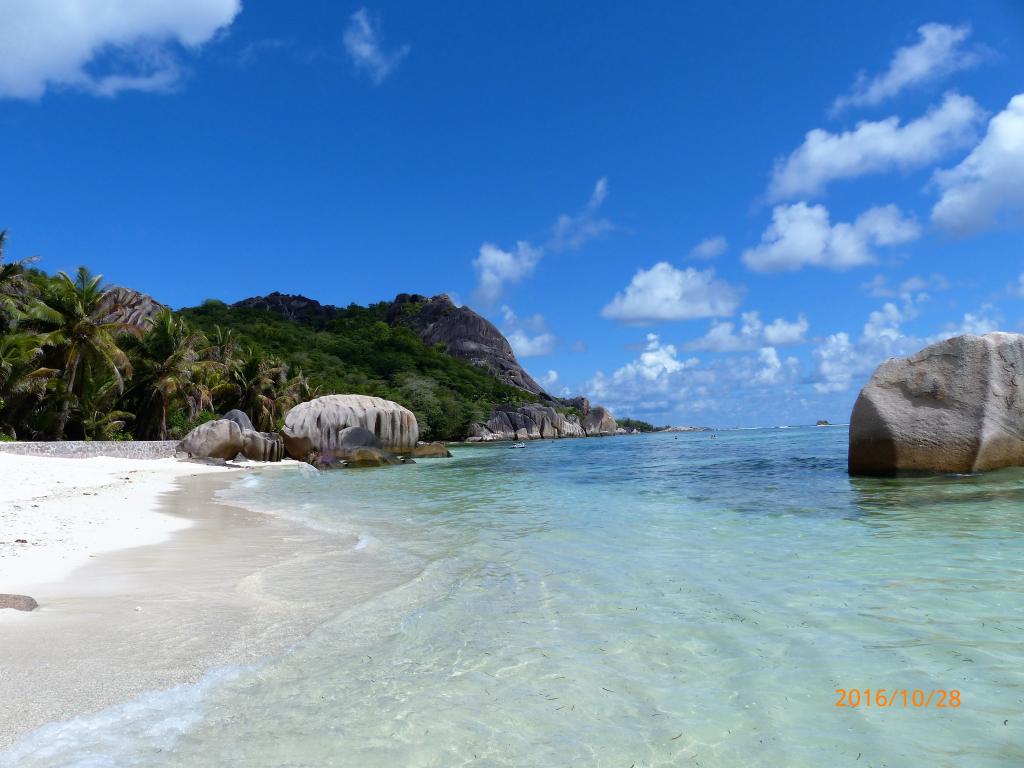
pixel 619 187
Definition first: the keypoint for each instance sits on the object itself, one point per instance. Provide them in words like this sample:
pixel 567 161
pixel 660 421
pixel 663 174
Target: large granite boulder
pixel 219 439
pixel 241 418
pixel 316 427
pixel 599 421
pixel 262 446
pixel 955 406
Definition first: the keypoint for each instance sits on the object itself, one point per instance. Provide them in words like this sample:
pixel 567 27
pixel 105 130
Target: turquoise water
pixel 656 600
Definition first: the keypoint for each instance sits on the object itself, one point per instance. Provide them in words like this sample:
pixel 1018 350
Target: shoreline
pixel 193 584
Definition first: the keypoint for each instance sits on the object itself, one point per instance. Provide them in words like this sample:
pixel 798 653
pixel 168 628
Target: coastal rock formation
pixel 431 451
pixel 128 306
pixel 299 308
pixel 527 422
pixel 955 406
pixel 599 421
pixel 464 334
pixel 241 419
pixel 219 439
pixel 262 446
pixel 18 602
pixel 317 425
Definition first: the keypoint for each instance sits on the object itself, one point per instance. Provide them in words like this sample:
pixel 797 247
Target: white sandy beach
pixel 70 510
pixel 144 581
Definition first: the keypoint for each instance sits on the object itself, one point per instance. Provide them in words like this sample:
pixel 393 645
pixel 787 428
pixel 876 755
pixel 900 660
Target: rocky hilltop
pixel 464 334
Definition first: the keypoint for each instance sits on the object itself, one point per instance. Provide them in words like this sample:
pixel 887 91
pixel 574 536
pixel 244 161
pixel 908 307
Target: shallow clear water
pixel 657 600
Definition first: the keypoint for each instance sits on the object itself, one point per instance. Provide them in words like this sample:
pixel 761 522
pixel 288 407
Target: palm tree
pixel 260 383
pixel 170 373
pixel 16 291
pixel 23 380
pixel 82 338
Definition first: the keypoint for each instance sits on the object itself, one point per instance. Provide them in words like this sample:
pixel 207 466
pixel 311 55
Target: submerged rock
pixel 18 602
pixel 316 426
pixel 431 451
pixel 955 406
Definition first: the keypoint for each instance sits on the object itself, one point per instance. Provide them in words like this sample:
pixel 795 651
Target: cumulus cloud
pixel 495 267
pixel 801 235
pixel 709 248
pixel 549 380
pixel 666 293
pixel 937 53
pixel 919 285
pixel 659 381
pixel 102 48
pixel 362 43
pixel 529 336
pixel 987 188
pixel 844 362
pixel 875 147
pixel 572 232
pixel 751 334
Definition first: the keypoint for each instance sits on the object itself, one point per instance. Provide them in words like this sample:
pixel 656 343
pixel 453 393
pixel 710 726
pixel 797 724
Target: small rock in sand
pixel 18 602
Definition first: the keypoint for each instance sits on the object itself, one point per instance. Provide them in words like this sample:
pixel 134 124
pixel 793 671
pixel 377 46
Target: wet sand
pixel 232 587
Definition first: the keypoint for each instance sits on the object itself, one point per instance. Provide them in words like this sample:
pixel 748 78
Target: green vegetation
pixel 74 366
pixel 358 352
pixel 640 426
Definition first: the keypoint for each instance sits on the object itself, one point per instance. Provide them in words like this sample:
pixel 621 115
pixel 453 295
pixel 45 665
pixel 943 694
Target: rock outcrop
pixel 128 306
pixel 527 422
pixel 317 426
pixel 298 308
pixel 431 451
pixel 599 421
pixel 230 436
pixel 18 602
pixel 955 406
pixel 219 439
pixel 464 334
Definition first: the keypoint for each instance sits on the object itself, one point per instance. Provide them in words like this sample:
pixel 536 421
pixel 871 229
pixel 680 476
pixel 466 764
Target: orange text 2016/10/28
pixel 882 698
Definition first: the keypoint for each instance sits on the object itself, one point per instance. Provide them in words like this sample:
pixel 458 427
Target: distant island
pixel 822 423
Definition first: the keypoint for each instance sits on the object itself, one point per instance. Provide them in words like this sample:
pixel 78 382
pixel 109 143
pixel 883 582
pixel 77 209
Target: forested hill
pixel 373 350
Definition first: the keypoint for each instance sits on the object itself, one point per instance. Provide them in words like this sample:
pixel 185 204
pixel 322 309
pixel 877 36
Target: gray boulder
pixel 527 422
pixel 262 446
pixel 431 451
pixel 316 426
pixel 18 602
pixel 220 439
pixel 955 406
pixel 599 421
pixel 241 419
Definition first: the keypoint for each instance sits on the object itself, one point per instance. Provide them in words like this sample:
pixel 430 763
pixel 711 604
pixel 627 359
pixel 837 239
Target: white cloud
pixel 844 362
pixel 572 232
pixel 801 235
pixel 528 336
pixel 752 334
pixel 875 147
pixel 666 293
pixel 102 48
pixel 362 44
pixel 772 370
pixel 987 188
pixel 525 345
pixel 918 285
pixel 709 248
pixel 936 54
pixel 496 267
pixel 549 380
